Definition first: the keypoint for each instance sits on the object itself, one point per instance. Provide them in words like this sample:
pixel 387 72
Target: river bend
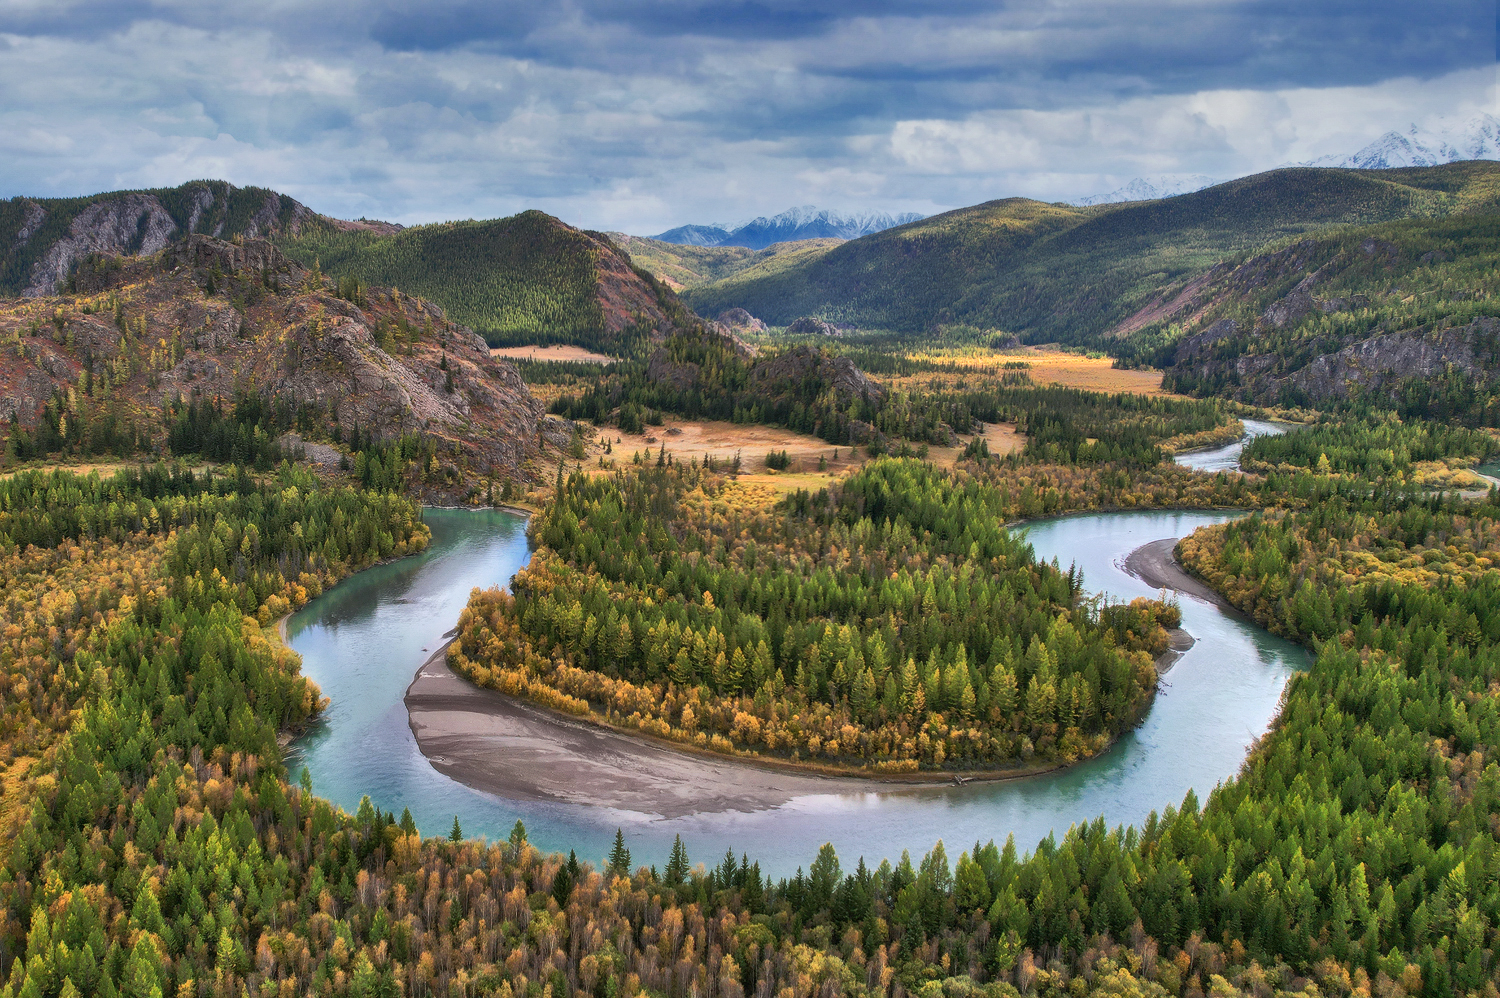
pixel 363 641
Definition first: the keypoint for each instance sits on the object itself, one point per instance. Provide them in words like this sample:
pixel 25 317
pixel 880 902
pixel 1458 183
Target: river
pixel 1227 458
pixel 363 640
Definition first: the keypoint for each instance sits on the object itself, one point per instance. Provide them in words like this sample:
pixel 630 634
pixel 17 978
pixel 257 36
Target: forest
pixel 703 375
pixel 157 845
pixel 895 625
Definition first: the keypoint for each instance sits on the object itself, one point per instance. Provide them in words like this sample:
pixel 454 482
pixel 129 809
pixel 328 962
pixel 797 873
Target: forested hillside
pixel 524 279
pixel 1401 316
pixel 1055 272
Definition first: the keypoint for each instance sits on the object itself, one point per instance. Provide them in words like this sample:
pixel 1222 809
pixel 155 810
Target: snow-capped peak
pixel 1444 140
pixel 804 222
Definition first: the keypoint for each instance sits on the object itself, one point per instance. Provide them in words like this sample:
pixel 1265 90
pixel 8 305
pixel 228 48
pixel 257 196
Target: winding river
pixel 363 640
pixel 1227 458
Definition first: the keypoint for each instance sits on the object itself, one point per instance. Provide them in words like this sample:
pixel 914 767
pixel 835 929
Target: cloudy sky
pixel 639 115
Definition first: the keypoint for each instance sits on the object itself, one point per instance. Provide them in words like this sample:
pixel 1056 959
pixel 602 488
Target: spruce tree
pixel 677 864
pixel 457 834
pixel 619 856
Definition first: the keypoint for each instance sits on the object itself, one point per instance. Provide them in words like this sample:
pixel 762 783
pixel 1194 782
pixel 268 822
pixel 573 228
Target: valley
pixel 1140 543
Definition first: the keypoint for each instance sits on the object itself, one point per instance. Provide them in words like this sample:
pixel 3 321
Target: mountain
pixel 794 224
pixel 1150 188
pixel 1441 141
pixel 261 345
pixel 528 278
pixel 524 279
pixel 682 266
pixel 1058 272
pixel 42 239
pixel 1404 314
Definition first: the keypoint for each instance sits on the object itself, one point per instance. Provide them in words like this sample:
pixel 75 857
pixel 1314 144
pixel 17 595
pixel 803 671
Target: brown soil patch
pixel 553 352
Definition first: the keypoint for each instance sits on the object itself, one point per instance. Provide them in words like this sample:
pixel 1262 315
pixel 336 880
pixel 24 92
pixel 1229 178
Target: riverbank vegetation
pixel 157 846
pixel 1374 446
pixel 892 624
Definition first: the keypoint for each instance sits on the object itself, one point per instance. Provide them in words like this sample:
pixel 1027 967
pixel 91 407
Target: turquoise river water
pixel 363 640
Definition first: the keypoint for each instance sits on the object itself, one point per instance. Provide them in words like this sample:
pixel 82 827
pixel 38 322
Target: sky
pixel 637 116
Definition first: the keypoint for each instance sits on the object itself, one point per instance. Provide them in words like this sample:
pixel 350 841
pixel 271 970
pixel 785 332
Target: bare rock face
pixel 816 327
pixel 389 364
pixel 1382 362
pixel 1291 309
pixel 130 223
pixel 739 319
pixel 794 366
pixel 1190 348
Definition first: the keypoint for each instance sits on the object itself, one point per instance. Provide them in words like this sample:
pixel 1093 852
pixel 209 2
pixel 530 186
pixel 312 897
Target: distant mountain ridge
pixel 1055 272
pixel 806 222
pixel 1150 189
pixel 1440 141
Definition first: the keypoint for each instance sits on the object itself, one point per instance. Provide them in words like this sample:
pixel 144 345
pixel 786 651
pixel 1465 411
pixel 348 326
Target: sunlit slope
pixel 1052 271
pixel 526 278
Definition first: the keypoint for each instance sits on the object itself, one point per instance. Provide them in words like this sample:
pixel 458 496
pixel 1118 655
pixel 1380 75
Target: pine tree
pixel 677 864
pixel 457 834
pixel 619 856
pixel 408 824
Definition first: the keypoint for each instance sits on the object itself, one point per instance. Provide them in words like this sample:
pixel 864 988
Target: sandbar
pixel 1155 565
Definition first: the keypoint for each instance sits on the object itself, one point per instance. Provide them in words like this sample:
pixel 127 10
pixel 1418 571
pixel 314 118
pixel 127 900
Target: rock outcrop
pixel 51 237
pixel 153 333
pixel 1381 363
pixel 800 363
pixel 815 327
pixel 738 319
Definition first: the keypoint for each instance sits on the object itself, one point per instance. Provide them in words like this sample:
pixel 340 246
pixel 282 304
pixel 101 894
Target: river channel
pixel 363 640
pixel 1227 458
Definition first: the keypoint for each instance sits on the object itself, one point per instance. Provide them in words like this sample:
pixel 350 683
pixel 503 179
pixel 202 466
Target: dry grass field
pixel 554 352
pixel 686 440
pixel 1047 366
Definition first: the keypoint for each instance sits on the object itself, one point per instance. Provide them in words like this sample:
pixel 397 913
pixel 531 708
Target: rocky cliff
pixel 42 240
pixel 209 319
pixel 1397 316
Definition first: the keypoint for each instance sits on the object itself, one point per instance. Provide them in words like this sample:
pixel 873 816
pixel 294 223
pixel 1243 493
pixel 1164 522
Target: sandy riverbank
pixel 489 741
pixel 1155 565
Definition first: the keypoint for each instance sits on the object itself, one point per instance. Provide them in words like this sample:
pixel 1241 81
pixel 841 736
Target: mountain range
pixel 1150 188
pixel 527 278
pixel 1058 272
pixel 1441 141
pixel 806 222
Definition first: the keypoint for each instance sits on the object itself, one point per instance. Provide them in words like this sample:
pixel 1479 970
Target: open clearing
pixel 1054 367
pixel 1047 366
pixel 689 439
pixel 686 440
pixel 577 354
